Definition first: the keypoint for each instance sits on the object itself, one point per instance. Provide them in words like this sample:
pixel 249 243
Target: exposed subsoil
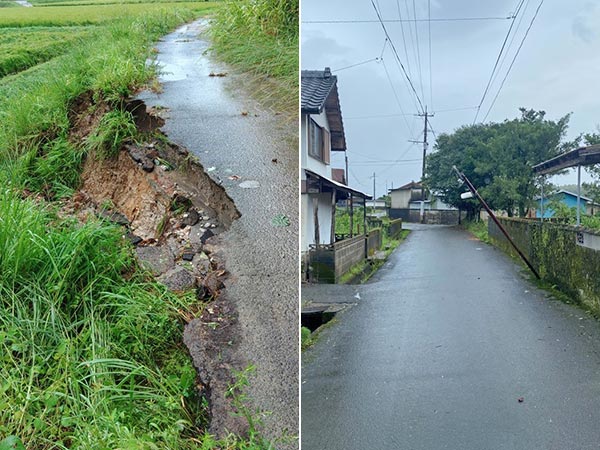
pixel 172 213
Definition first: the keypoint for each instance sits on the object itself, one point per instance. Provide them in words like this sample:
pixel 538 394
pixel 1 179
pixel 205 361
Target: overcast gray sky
pixel 557 70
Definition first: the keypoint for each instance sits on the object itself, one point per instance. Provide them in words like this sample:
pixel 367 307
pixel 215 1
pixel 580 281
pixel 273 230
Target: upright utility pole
pixel 426 115
pixel 350 206
pixel 373 191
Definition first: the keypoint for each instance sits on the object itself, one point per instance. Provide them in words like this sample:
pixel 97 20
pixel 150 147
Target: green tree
pixel 593 188
pixel 498 159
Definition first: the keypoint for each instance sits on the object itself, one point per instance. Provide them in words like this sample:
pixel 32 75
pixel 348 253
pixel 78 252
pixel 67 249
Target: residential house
pixel 406 204
pixel 322 132
pixel 569 199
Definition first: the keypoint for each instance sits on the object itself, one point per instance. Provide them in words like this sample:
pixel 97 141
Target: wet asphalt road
pixel 444 341
pixel 205 114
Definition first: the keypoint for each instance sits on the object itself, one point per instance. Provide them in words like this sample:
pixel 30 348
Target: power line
pixel 497 61
pixel 448 19
pixel 355 65
pixel 512 39
pixel 514 58
pixel 396 96
pixel 398 160
pixel 396 54
pixel 403 37
pixel 385 161
pixel 386 116
pixel 418 49
pixel 430 67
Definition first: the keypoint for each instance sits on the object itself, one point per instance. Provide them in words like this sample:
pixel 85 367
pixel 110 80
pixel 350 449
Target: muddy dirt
pixel 172 212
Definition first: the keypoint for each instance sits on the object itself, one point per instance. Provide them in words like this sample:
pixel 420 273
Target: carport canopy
pixel 582 156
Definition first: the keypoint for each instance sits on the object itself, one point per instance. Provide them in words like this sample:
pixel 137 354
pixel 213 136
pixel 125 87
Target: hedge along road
pixel 451 348
pixel 253 153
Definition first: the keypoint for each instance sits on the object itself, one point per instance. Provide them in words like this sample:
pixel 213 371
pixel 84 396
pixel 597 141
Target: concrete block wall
pixel 565 256
pixel 394 228
pixel 432 216
pixel 348 253
pixel 374 241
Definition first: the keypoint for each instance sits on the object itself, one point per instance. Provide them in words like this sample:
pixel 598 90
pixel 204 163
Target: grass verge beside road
pixel 363 271
pixel 261 38
pixel 478 229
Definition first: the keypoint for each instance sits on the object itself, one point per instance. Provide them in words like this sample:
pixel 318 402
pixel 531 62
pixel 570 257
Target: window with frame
pixel 319 142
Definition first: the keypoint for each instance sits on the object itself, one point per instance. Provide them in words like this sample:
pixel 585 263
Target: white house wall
pixel 308 202
pixel 308 162
pixel 400 199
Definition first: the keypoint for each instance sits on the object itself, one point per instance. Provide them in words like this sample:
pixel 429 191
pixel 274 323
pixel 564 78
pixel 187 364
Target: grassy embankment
pixel 90 347
pixel 261 38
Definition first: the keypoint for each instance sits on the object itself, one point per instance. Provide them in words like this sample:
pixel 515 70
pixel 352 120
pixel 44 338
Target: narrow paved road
pixel 445 340
pixel 253 153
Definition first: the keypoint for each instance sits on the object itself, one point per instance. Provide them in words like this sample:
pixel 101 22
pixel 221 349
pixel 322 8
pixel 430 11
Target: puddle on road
pixel 250 184
pixel 170 72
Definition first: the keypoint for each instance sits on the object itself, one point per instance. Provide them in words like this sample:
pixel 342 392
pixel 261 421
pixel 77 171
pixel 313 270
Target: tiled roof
pixel 411 185
pixel 315 88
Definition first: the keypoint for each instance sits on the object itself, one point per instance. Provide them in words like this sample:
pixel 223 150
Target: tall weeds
pixel 90 350
pixel 261 37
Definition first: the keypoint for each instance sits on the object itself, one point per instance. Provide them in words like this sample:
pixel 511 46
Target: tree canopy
pixel 498 159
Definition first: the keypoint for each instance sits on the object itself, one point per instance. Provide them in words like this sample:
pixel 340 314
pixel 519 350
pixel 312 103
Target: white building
pixel 322 132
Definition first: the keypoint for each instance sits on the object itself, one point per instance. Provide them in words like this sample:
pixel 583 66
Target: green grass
pixel 306 339
pixel 261 38
pixel 9 4
pixel 90 347
pixel 478 229
pixel 366 269
pixel 51 3
pixel 22 48
pixel 114 127
pixel 89 360
pixel 60 16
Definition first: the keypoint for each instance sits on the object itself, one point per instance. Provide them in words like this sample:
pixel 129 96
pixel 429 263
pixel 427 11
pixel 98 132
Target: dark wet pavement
pixel 253 153
pixel 446 339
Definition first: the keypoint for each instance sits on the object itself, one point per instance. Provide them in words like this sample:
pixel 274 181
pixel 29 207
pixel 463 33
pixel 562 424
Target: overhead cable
pixel 514 59
pixel 497 60
pixel 397 56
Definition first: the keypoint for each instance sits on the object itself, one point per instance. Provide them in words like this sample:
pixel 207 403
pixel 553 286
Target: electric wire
pixel 512 39
pixel 430 66
pixel 497 61
pixel 418 49
pixel 386 116
pixel 397 56
pixel 448 19
pixel 387 74
pixel 355 65
pixel 403 37
pixel 514 58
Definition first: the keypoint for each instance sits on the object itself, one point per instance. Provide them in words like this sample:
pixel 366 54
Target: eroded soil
pixel 172 213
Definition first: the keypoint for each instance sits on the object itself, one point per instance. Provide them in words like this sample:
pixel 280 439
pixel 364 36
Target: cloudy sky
pixel 557 70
